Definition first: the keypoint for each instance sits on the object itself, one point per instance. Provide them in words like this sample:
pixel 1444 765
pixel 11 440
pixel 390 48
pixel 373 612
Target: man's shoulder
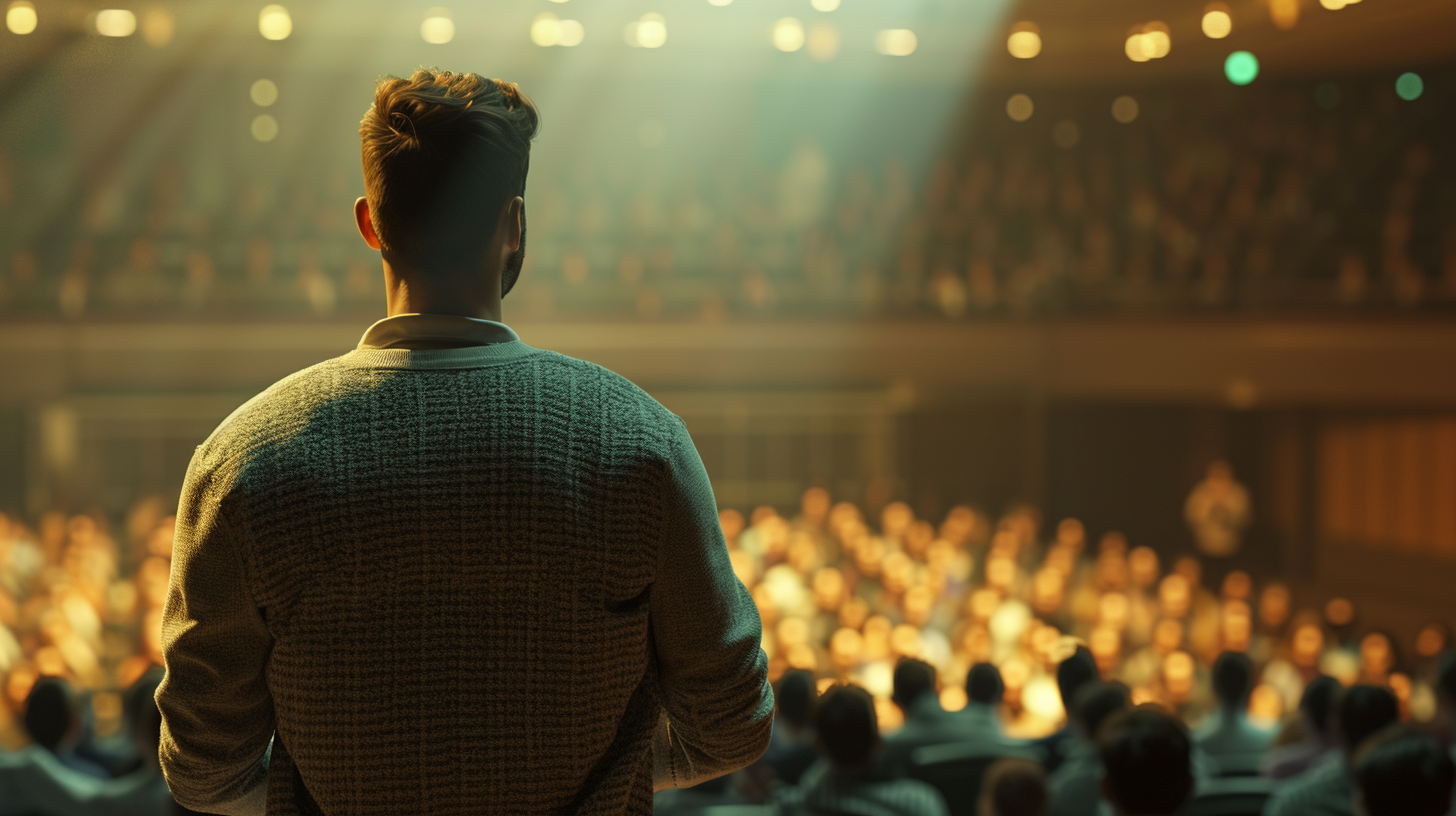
pixel 270 413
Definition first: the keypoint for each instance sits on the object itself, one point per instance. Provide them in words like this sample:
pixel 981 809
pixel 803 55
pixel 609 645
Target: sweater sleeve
pixel 717 702
pixel 217 713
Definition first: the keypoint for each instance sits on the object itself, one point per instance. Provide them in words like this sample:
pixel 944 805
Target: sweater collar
pixel 434 331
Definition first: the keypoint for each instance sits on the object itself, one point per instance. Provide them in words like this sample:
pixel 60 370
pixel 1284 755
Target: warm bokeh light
pixel 823 42
pixel 1339 612
pixel 1148 42
pixel 1025 41
pixel 115 23
pixel 437 28
pixel 1241 67
pixel 548 30
pixel 1124 109
pixel 788 34
pixel 158 27
pixel 1431 641
pixel 824 5
pixel 274 23
pixel 20 17
pixel 720 2
pixel 1284 13
pixel 1019 107
pixel 1409 86
pixel 1217 22
pixel 896 42
pixel 263 93
pixel 647 31
pixel 264 128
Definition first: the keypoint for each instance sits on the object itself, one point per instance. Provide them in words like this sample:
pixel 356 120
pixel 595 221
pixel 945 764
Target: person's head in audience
pixel 1316 705
pixel 1233 679
pixel 51 717
pixel 139 704
pixel 1146 760
pixel 1362 711
pixel 1013 787
pixel 1446 691
pixel 846 728
pixel 794 699
pixel 1074 672
pixel 913 680
pixel 984 685
pixel 1094 704
pixel 1403 772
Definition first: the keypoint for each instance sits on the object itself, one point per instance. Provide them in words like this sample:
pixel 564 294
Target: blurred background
pixel 1182 273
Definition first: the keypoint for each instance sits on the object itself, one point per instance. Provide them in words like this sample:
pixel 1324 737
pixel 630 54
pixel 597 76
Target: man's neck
pixel 443 294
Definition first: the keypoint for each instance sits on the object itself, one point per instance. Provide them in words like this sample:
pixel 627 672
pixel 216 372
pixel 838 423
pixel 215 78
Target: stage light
pixel 20 17
pixel 1019 108
pixel 264 128
pixel 1409 86
pixel 570 33
pixel 1217 22
pixel 824 5
pixel 719 2
pixel 1024 42
pixel 158 27
pixel 115 23
pixel 788 34
pixel 1148 42
pixel 896 42
pixel 1284 13
pixel 1124 109
pixel 1066 134
pixel 823 42
pixel 558 1
pixel 1333 5
pixel 1241 67
pixel 437 28
pixel 274 23
pixel 647 31
pixel 263 93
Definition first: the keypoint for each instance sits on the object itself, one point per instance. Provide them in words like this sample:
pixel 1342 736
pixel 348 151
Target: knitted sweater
pixel 473 580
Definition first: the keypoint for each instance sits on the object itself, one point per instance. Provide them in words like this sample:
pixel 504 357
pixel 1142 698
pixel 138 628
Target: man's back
pixel 475 579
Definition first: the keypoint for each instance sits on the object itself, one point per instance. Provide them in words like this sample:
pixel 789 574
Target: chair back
pixel 1230 796
pixel 956 770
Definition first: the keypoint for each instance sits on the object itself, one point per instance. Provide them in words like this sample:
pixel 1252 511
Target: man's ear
pixel 365 223
pixel 509 226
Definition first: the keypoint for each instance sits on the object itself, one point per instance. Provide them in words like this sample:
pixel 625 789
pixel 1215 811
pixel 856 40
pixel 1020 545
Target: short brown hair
pixel 442 153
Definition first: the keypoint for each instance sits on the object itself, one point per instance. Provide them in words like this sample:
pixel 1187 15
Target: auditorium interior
pixel 1000 327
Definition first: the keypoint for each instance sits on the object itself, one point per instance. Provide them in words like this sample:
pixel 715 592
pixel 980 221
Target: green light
pixel 1241 67
pixel 1409 87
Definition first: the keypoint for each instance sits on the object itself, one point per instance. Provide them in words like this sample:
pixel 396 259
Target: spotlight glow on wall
pixel 274 23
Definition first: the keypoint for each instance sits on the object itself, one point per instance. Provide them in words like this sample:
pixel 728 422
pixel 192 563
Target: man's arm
pixel 217 714
pixel 718 704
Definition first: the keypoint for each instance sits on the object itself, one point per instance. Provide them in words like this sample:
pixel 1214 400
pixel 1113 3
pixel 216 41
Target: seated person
pixel 847 734
pixel 1075 671
pixel 1311 739
pixel 1075 787
pixel 982 714
pixel 926 723
pixel 53 722
pixel 1227 736
pixel 1403 772
pixel 1013 787
pixel 791 746
pixel 1329 789
pixel 1148 759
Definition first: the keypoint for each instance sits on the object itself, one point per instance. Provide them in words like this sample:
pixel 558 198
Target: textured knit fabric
pixel 467 580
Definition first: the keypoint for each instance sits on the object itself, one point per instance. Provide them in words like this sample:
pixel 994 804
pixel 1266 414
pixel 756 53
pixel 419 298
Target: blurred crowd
pixel 1278 197
pixel 910 610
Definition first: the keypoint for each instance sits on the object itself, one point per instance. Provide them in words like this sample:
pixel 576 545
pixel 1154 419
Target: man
pixel 447 572
pixel 984 692
pixel 1075 787
pixel 926 723
pixel 848 737
pixel 1235 744
pixel 1149 763
pixel 1328 790
pixel 1013 787
pixel 1316 741
pixel 1403 772
pixel 1076 670
pixel 52 720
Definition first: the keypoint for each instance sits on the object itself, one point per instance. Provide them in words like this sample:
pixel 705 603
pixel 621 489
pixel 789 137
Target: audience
pixel 1077 670
pixel 1148 760
pixel 1235 745
pixel 54 723
pixel 791 748
pixel 1311 740
pixel 1328 790
pixel 984 692
pixel 1402 772
pixel 848 736
pixel 926 722
pixel 1013 787
pixel 1076 785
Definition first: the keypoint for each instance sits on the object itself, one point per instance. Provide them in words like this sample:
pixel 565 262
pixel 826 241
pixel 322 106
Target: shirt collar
pixel 434 331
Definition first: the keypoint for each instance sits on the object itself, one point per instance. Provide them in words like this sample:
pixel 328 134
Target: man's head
pixel 913 679
pixel 1402 772
pixel 1317 702
pixel 1014 787
pixel 1362 711
pixel 848 730
pixel 445 157
pixel 984 684
pixel 794 697
pixel 1095 703
pixel 1079 668
pixel 1233 679
pixel 51 717
pixel 1145 759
